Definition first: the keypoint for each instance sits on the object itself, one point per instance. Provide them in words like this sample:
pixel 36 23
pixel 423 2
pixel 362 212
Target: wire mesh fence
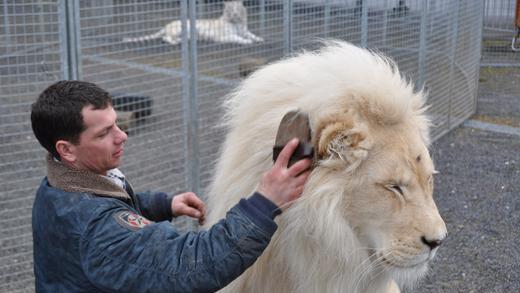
pixel 501 39
pixel 170 86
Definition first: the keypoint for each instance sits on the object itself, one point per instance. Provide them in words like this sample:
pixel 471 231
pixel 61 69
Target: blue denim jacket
pixel 87 242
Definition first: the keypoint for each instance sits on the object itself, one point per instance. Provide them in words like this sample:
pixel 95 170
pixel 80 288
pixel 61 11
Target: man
pixel 93 233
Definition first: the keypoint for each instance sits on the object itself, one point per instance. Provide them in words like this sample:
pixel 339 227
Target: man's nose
pixel 121 136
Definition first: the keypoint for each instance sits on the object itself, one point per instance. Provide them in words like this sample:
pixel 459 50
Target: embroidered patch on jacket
pixel 131 220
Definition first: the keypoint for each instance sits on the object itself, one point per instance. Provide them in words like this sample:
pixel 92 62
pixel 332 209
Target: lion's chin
pixel 408 276
pixel 406 273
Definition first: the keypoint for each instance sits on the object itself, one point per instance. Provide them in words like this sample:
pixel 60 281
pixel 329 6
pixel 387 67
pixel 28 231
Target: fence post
pixel 189 96
pixel 423 46
pixel 364 23
pixel 63 39
pixel 262 17
pixel 70 39
pixel 7 31
pixel 452 56
pixel 385 27
pixel 74 37
pixel 479 37
pixel 287 25
pixel 326 20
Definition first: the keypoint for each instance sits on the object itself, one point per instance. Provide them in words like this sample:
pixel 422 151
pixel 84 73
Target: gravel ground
pixel 478 195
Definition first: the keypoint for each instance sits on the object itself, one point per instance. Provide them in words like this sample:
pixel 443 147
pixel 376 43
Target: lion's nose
pixel 431 243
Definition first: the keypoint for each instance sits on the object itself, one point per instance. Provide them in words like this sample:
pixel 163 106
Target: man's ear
pixel 342 140
pixel 66 150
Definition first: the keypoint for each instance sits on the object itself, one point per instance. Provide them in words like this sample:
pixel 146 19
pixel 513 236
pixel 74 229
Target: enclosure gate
pixel 173 140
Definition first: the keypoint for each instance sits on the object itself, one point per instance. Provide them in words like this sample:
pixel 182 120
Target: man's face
pixel 101 144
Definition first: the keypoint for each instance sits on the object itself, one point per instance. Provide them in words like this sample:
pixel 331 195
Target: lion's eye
pixel 395 187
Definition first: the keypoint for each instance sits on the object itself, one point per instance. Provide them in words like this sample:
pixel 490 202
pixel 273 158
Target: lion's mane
pixel 352 96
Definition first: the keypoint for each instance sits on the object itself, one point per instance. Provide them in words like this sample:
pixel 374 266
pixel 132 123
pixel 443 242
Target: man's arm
pixel 161 207
pixel 155 205
pixel 122 252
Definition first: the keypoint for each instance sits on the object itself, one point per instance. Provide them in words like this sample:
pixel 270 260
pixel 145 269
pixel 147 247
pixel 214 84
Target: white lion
pixel 366 221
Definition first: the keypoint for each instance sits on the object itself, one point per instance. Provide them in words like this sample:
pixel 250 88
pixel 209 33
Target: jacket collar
pixel 73 180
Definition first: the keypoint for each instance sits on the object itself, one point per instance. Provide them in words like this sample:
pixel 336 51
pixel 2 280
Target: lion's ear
pixel 344 141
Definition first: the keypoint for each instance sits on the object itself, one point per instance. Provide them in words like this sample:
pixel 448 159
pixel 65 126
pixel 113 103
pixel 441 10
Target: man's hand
pixel 283 185
pixel 189 204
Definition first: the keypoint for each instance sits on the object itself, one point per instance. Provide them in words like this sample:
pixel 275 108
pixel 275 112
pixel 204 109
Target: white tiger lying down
pixel 231 27
pixel 366 221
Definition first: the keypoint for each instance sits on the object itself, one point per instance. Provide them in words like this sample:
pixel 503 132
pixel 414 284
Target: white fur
pixel 317 248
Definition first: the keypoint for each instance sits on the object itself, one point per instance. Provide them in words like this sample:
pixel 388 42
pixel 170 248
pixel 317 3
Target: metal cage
pixel 173 93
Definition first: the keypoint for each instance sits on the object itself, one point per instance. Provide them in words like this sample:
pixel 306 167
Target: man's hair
pixel 56 114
